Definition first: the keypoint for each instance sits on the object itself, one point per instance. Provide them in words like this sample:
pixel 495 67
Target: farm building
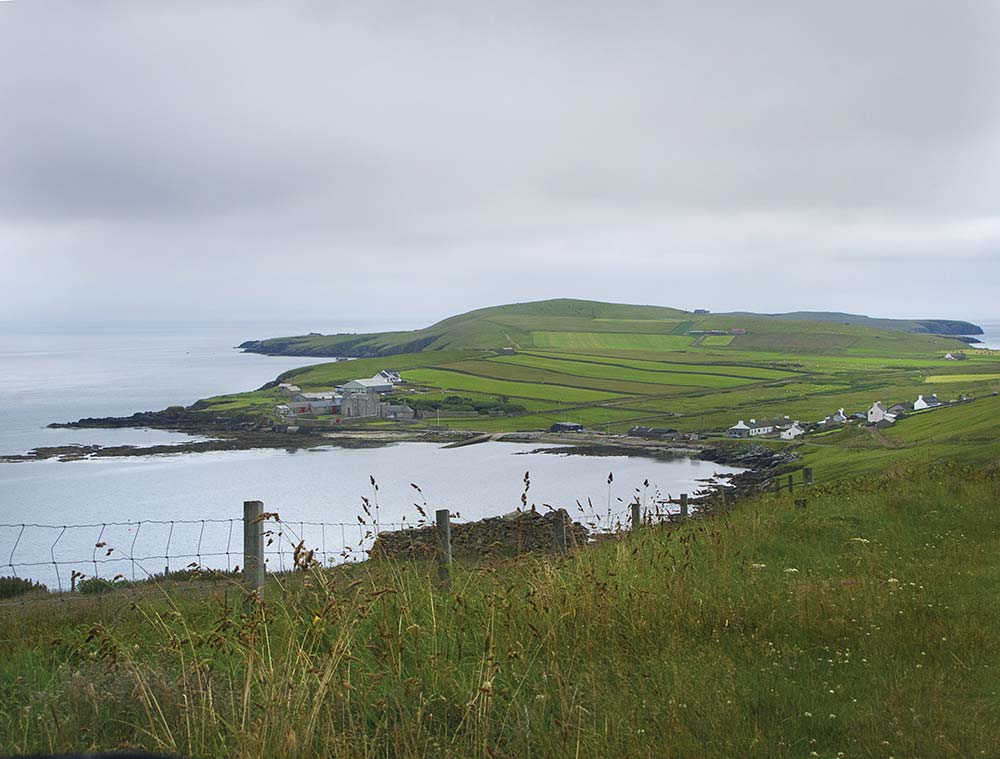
pixel 360 405
pixel 376 384
pixel 790 433
pixel 743 430
pixel 398 413
pixel 900 408
pixel 389 375
pixel 925 402
pixel 288 390
pixel 566 427
pixel 835 419
pixel 877 413
pixel 656 433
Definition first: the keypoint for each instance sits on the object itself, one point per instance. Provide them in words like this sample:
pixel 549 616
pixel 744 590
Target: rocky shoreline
pixel 233 433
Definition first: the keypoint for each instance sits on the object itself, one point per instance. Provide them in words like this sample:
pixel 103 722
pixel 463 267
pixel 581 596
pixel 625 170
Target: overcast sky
pixel 404 161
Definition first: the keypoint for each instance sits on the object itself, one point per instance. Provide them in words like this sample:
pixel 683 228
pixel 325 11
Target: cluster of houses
pixel 877 416
pixel 357 399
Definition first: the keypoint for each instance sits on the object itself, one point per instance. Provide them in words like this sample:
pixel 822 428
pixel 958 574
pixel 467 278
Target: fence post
pixel 253 548
pixel 443 519
pixel 559 531
pixel 684 505
pixel 791 484
pixel 807 476
pixel 636 516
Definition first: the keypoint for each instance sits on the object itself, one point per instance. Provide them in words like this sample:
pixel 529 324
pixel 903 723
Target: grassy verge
pixel 866 625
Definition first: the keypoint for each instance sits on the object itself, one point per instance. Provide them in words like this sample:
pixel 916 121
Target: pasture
pixel 612 366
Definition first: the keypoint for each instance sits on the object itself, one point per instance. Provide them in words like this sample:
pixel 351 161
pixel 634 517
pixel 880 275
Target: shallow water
pixel 56 376
pixel 314 486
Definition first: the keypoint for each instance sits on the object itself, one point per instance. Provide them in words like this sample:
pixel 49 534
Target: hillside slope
pixel 531 325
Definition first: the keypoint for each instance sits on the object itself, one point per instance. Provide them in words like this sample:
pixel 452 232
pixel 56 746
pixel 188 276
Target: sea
pixel 137 516
pixel 991 334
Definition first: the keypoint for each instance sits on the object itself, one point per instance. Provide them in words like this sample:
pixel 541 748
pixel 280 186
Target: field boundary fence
pixel 74 557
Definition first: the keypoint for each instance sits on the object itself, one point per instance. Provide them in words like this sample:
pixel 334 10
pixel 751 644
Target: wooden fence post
pixel 253 548
pixel 559 531
pixel 684 505
pixel 443 519
pixel 636 516
pixel 791 484
pixel 807 476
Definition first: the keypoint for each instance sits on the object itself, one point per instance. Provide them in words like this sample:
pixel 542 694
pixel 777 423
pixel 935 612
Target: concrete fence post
pixel 684 505
pixel 636 517
pixel 807 476
pixel 559 531
pixel 253 548
pixel 442 518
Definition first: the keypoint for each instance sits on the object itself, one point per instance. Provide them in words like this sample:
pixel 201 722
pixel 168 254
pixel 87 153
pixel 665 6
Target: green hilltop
pixel 530 325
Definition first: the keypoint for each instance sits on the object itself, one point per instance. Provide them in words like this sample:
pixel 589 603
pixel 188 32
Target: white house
pixel 742 429
pixel 931 401
pixel 839 418
pixel 390 375
pixel 790 433
pixel 877 413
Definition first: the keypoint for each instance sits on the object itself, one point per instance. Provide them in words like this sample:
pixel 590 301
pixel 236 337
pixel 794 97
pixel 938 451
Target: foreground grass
pixel 866 625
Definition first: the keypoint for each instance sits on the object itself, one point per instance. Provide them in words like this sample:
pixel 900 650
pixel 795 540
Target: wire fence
pixel 61 557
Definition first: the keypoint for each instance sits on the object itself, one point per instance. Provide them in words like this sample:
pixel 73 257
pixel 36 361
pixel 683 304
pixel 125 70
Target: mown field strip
pixel 612 373
pixel 514 373
pixel 939 378
pixel 610 340
pixel 451 380
pixel 645 371
pixel 694 364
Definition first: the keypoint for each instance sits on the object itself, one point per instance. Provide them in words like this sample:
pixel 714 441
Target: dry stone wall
pixel 511 535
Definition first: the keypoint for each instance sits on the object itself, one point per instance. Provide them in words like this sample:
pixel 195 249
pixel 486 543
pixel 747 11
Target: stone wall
pixel 510 535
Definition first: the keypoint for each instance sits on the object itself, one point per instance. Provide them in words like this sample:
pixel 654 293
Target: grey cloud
pixel 573 142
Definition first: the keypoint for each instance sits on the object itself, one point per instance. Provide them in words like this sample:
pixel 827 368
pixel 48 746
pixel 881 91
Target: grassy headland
pixel 612 366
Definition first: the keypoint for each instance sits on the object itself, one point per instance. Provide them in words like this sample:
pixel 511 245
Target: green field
pixel 609 365
pixel 716 340
pixel 610 341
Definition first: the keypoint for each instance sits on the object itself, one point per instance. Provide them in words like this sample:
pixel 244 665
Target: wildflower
pixel 791 569
pixel 893 581
pixel 860 540
pixel 758 566
pixel 809 714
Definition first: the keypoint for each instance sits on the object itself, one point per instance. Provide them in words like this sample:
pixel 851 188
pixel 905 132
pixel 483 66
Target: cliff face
pixel 949 327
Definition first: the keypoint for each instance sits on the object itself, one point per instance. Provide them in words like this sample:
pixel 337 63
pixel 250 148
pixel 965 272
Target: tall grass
pixel 866 625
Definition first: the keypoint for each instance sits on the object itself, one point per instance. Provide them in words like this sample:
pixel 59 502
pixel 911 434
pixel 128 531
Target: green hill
pixel 582 324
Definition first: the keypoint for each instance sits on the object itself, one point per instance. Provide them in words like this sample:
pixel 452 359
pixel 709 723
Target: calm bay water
pixel 991 338
pixel 52 376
